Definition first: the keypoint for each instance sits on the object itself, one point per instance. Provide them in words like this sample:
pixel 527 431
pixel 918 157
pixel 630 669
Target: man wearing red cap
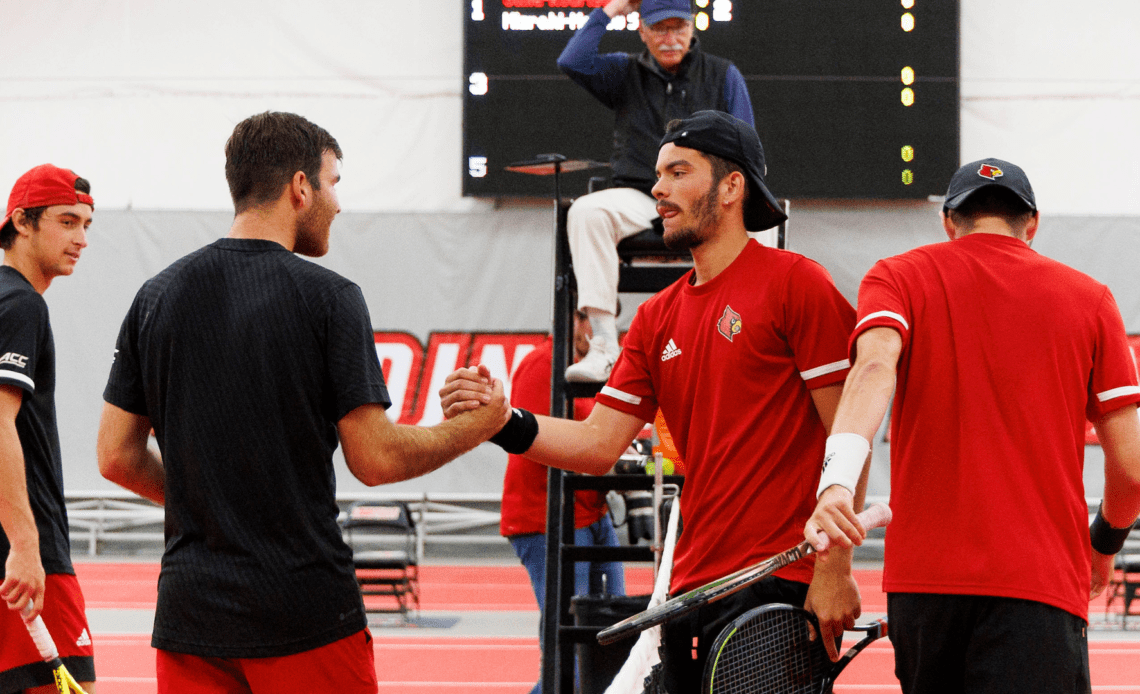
pixel 43 233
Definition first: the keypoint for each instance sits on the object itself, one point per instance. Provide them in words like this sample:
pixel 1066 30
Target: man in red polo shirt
pixel 745 356
pixel 1000 354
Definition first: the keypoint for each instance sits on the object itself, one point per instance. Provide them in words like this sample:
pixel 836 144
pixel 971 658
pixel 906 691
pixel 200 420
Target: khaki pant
pixel 596 224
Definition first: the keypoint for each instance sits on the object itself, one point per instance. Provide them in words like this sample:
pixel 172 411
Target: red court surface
pixel 435 662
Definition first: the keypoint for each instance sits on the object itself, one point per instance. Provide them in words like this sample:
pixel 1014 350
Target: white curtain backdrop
pixel 139 97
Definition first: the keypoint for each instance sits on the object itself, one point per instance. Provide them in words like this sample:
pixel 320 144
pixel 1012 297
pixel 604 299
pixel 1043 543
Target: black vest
pixel 652 98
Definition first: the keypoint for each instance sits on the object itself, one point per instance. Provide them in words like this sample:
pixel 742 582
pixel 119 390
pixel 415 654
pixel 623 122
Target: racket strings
pixel 771 653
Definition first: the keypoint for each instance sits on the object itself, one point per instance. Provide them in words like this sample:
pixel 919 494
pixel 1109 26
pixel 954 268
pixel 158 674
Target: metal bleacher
pixel 111 522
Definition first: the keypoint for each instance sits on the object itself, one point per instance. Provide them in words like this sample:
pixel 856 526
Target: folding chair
pixel 385 573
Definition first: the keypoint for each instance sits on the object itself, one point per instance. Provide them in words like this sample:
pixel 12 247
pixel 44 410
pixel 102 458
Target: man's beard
pixel 312 238
pixel 706 213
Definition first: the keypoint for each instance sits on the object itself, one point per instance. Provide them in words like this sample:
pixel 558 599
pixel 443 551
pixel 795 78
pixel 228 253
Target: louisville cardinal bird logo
pixel 991 172
pixel 729 323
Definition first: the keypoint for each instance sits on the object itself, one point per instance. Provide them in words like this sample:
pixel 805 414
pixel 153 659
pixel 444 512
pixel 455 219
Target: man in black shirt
pixel 43 234
pixel 250 363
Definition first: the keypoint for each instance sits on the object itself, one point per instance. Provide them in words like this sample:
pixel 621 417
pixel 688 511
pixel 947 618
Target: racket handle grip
pixel 40 635
pixel 874 516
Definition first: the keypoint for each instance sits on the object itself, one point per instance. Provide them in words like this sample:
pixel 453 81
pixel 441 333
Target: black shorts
pixel 976 643
pixel 686 641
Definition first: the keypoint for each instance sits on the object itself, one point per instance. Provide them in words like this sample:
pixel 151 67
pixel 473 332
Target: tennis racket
pixel 774 649
pixel 874 516
pixel 64 682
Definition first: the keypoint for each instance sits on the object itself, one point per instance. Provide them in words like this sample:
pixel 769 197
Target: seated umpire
pixel 671 79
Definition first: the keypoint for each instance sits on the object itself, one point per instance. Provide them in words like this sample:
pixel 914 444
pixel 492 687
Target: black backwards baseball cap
pixel 985 173
pixel 653 11
pixel 726 136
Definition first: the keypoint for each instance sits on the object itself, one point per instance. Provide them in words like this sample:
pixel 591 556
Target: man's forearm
pixel 1119 432
pixel 591 446
pixel 417 451
pixel 570 445
pixel 147 477
pixel 380 452
pixel 580 52
pixel 135 468
pixel 16 516
pixel 124 455
pixel 736 96
pixel 867 391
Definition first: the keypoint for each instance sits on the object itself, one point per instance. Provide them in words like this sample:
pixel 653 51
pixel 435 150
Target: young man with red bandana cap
pixel 745 355
pixel 43 234
pixel 996 356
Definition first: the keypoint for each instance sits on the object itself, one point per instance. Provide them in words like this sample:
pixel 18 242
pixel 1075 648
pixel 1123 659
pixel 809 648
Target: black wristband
pixel 518 433
pixel 1105 538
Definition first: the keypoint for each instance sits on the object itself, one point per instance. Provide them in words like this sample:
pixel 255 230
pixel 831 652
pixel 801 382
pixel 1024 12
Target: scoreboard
pixel 852 98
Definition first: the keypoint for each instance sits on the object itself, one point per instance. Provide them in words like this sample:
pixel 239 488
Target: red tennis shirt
pixel 1005 354
pixel 731 364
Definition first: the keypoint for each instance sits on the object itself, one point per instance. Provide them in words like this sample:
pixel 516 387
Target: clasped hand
pixel 466 389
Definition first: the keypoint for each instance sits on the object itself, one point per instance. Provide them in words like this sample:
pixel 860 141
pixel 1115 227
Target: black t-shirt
pixel 27 360
pixel 244 357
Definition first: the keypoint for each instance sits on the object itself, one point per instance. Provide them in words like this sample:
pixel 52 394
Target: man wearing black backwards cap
pixel 744 355
pixel 999 355
pixel 671 79
pixel 43 234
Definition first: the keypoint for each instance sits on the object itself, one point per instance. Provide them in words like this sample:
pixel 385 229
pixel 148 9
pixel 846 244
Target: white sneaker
pixel 596 365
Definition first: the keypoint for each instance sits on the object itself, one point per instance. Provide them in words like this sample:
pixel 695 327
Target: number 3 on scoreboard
pixel 477 83
pixel 476 167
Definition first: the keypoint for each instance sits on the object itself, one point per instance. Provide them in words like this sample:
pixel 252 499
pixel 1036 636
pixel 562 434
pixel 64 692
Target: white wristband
pixel 843 460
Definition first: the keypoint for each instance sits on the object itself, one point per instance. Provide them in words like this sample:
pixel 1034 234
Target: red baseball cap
pixel 44 186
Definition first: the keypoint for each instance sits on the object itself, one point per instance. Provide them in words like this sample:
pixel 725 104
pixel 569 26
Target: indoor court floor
pixel 477 634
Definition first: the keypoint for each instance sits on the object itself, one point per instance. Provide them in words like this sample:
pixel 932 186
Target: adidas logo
pixel 83 640
pixel 670 351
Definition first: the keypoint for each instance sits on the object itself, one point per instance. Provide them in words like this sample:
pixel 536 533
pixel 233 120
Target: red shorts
pixel 64 615
pixel 346 666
